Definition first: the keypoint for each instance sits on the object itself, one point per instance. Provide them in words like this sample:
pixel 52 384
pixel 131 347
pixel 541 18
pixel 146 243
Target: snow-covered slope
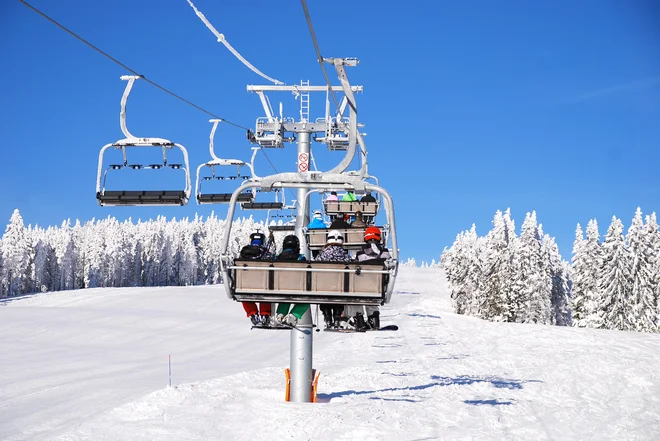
pixel 93 365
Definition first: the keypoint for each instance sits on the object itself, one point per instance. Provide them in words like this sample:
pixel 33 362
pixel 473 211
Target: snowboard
pixel 346 331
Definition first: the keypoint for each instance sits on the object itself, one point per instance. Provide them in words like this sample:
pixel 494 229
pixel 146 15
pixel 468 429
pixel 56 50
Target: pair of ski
pixel 349 330
pixel 344 330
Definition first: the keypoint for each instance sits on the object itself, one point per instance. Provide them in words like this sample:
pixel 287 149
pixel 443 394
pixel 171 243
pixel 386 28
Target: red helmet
pixel 372 233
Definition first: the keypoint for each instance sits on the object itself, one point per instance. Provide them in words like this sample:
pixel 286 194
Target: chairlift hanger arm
pixel 294 88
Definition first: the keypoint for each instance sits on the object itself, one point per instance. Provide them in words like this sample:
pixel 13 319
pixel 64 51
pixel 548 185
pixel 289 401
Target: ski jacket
pixel 349 197
pixel 370 251
pixel 368 198
pixel 315 224
pixel 290 255
pixel 332 198
pixel 255 252
pixel 333 253
pixel 339 224
pixel 358 224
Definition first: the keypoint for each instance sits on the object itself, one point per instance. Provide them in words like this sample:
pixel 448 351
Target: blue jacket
pixel 316 223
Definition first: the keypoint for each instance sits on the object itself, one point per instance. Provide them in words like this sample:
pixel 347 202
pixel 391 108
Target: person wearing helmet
pixel 339 223
pixel 317 221
pixel 291 253
pixel 333 252
pixel 372 249
pixel 257 250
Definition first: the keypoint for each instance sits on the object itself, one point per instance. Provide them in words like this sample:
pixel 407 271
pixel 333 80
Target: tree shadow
pixel 488 402
pixel 407 400
pixel 414 314
pixel 410 293
pixel 463 380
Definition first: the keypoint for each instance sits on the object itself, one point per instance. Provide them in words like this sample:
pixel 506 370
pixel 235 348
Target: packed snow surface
pixel 93 365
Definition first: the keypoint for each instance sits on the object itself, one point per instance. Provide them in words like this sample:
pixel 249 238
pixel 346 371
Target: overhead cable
pixel 221 38
pixel 128 68
pixel 318 52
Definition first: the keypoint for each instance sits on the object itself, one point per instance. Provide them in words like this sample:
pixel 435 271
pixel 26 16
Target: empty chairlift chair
pixel 141 197
pixel 216 165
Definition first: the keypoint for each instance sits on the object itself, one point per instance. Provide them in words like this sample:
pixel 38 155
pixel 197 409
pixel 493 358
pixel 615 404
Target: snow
pixel 93 365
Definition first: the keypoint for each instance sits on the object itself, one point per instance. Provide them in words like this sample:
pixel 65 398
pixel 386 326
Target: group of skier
pixel 335 316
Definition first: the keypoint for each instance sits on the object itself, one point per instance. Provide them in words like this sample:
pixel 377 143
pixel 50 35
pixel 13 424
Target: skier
pixel 290 252
pixel 372 249
pixel 349 197
pixel 257 250
pixel 368 198
pixel 359 221
pixel 317 221
pixel 339 223
pixel 333 252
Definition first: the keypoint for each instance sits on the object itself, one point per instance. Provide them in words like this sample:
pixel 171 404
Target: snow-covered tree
pixel 495 303
pixel 531 279
pixel 580 274
pixel 642 290
pixel 614 305
pixel 15 256
pixel 560 298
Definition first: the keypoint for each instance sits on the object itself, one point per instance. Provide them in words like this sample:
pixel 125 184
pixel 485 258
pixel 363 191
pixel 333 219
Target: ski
pixel 348 330
pixel 386 328
pixel 271 327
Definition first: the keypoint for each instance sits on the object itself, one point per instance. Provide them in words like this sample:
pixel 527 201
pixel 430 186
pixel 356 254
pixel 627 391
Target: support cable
pixel 318 52
pixel 128 68
pixel 221 39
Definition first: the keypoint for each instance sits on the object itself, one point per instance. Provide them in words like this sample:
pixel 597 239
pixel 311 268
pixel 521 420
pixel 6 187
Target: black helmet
pixel 257 238
pixel 291 242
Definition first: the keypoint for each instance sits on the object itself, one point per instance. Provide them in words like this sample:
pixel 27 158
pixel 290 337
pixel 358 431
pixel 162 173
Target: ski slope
pixel 93 365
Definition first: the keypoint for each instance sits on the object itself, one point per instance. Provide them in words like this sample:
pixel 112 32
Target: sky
pixel 469 107
pixel 92 364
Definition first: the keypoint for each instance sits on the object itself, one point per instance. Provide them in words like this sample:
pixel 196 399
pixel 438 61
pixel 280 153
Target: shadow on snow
pixel 439 381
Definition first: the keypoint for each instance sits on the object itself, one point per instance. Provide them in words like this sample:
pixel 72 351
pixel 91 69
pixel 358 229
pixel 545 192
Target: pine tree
pixel 495 301
pixel 591 275
pixel 642 296
pixel 652 245
pixel 15 255
pixel 580 275
pixel 556 269
pixel 532 280
pixel 615 307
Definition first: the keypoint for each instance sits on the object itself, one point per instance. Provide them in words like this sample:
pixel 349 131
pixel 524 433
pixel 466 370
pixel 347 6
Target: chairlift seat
pixel 354 283
pixel 137 197
pixel 282 227
pixel 332 208
pixel 262 205
pixel 353 237
pixel 220 198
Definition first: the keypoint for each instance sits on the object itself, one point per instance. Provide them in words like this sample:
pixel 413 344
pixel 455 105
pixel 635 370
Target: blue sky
pixel 469 106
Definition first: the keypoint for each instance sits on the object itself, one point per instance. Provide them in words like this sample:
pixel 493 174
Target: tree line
pixel 109 253
pixel 611 284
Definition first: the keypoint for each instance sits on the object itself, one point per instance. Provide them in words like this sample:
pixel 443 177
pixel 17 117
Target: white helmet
pixel 318 214
pixel 335 238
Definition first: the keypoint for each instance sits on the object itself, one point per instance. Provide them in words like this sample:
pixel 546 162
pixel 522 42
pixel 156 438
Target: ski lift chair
pixel 351 283
pixel 219 163
pixel 353 237
pixel 141 197
pixel 272 205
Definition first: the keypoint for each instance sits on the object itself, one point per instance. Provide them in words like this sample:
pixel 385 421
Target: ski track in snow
pixel 92 365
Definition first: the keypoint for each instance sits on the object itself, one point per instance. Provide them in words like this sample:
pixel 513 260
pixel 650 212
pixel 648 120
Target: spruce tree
pixel 615 306
pixel 15 255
